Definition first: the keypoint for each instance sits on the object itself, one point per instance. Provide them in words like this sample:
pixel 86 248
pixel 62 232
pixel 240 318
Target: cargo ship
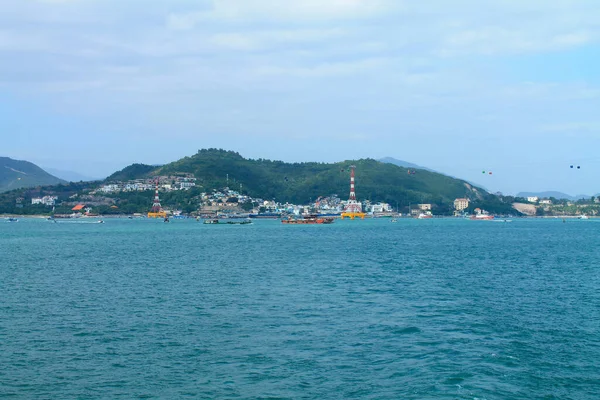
pixel 265 215
pixel 309 219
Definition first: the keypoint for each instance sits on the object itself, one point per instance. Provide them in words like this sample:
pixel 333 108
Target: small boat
pixel 211 221
pixel 394 220
pixel 424 216
pixel 583 216
pixel 10 219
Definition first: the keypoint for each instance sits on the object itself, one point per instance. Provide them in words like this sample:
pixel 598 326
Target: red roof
pixel 78 207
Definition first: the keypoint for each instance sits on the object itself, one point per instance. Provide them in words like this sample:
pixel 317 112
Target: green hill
pixel 296 183
pixel 299 182
pixel 15 174
pixel 133 171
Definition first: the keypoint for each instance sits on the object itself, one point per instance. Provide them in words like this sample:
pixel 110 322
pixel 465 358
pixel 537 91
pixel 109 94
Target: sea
pixel 363 309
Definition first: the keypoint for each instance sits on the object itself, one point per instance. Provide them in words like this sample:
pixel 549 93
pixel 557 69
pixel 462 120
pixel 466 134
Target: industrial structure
pixel 157 211
pixel 353 208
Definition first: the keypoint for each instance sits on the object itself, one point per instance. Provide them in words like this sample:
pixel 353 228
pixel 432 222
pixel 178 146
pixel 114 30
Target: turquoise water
pixel 429 309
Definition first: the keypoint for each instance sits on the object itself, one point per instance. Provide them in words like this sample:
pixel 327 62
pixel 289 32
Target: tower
pixel 156 207
pixel 352 193
pixel 156 211
pixel 353 208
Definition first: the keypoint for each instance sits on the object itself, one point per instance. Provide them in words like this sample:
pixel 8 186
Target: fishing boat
pixel 424 216
pixel 10 219
pixel 583 216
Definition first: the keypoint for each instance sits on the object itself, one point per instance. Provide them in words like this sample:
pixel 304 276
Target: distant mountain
pixel 403 164
pixel 16 174
pixel 408 165
pixel 556 195
pixel 70 176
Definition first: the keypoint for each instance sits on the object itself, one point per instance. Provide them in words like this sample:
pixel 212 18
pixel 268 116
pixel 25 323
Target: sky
pixel 461 86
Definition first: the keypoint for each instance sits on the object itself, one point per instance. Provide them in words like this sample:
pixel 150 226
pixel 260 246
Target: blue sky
pixel 460 87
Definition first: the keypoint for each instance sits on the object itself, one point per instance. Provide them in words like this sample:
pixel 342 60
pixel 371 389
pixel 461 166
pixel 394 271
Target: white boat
pixel 583 216
pixel 482 217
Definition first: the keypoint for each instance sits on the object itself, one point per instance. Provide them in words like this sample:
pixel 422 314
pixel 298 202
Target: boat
pixel 10 219
pixel 308 219
pixel 265 215
pixel 482 217
pixel 394 220
pixel 424 216
pixel 216 221
pixel 583 216
pixel 242 222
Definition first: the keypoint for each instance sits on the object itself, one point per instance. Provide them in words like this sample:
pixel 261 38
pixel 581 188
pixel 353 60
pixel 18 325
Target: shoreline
pixel 44 216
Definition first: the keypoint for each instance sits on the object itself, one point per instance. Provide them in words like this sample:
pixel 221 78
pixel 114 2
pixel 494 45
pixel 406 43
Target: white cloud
pixel 498 41
pixel 336 69
pixel 573 127
pixel 263 40
pixel 294 10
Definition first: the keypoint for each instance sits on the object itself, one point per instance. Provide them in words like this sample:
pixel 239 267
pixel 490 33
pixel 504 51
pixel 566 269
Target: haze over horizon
pixel 458 87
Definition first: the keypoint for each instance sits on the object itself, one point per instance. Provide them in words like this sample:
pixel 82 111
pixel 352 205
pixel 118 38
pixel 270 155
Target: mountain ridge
pixel 70 176
pixel 299 182
pixel 17 174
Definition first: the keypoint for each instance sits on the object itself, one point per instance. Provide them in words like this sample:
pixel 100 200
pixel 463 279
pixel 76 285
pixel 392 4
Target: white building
pixel 547 202
pixel 461 204
pixel 46 200
pixel 110 188
pixel 425 207
pixel 186 185
pixel 380 208
pixel 532 199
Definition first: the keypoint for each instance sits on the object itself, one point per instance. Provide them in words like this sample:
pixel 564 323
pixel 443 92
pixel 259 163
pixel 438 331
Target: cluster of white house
pixel 230 199
pixel 165 183
pixel 535 199
pixel 46 200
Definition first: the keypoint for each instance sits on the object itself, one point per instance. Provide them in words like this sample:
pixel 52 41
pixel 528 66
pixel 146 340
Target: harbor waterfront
pixel 431 308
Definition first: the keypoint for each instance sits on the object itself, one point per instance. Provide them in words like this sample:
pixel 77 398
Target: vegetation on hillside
pixel 133 171
pixel 300 183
